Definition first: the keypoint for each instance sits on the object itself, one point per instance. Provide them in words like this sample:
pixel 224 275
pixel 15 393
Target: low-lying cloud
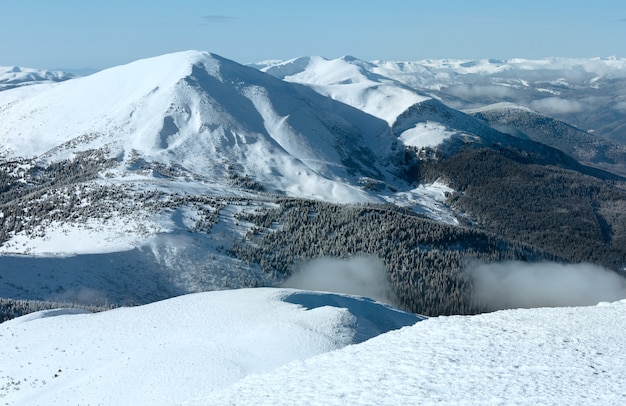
pixel 82 296
pixel 507 285
pixel 556 105
pixel 480 90
pixel 359 276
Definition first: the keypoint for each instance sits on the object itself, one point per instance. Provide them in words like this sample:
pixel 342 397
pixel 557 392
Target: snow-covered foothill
pixel 177 350
pixel 429 199
pixel 280 346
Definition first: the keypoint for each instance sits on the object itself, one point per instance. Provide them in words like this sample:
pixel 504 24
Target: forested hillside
pixel 425 259
pixel 578 217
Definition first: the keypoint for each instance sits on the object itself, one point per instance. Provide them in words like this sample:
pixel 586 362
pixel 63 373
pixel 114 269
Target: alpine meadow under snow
pixel 204 210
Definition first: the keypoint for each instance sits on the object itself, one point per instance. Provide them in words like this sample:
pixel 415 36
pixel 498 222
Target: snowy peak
pixel 283 69
pixel 319 70
pixel 351 81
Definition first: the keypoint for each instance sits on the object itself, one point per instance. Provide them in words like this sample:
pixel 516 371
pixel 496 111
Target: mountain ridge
pixel 525 123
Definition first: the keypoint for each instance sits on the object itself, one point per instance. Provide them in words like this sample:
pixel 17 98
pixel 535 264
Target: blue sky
pixel 98 34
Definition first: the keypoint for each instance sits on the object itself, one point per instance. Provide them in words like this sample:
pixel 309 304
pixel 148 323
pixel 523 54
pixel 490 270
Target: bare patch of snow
pixel 428 134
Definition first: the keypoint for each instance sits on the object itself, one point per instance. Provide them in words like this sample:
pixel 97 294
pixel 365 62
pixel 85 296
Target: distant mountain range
pixel 587 93
pixel 194 172
pixel 14 76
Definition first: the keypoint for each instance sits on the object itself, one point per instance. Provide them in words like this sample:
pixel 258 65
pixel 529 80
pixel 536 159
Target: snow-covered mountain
pixel 277 346
pixel 350 81
pixel 586 93
pixel 199 110
pixel 14 76
pixel 418 120
pixel 146 172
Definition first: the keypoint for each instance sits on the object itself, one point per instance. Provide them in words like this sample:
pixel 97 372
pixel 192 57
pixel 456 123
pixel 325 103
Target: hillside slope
pixel 585 147
pixel 270 346
pixel 177 350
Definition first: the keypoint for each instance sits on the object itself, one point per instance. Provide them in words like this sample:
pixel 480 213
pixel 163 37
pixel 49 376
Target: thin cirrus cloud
pixel 217 18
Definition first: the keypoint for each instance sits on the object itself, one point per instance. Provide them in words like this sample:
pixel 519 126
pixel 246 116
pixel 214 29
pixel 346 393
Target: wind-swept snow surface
pixel 177 350
pixel 559 356
pixel 278 346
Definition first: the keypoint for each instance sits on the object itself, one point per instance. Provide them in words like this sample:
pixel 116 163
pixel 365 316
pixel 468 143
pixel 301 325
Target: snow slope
pixel 277 346
pixel 516 357
pixel 177 350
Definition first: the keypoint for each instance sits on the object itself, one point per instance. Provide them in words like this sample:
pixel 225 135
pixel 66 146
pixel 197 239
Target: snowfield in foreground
pixel 280 346
pixel 179 349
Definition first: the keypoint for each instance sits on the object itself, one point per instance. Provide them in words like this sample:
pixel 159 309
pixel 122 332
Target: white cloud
pixel 361 276
pixel 556 105
pixel 473 91
pixel 513 284
pixel 621 106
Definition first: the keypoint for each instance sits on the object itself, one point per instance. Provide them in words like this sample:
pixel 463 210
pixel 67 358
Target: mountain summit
pixel 200 111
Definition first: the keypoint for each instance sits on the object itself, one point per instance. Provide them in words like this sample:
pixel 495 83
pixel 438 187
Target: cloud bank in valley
pixel 556 105
pixel 359 276
pixel 507 285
